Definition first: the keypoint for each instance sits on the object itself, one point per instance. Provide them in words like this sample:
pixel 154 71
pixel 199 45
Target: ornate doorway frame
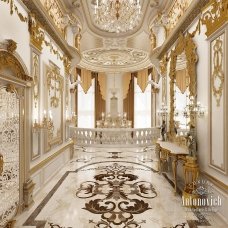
pixel 15 78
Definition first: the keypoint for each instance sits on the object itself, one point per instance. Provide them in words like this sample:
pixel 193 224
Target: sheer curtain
pixel 86 107
pixel 142 106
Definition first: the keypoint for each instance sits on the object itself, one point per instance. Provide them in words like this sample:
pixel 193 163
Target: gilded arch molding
pixel 9 61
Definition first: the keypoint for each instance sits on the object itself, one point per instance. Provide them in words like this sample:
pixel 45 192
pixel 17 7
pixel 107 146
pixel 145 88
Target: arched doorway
pixel 14 147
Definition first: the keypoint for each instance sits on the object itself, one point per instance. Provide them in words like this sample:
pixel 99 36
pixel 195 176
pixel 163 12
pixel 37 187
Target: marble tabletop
pixel 173 148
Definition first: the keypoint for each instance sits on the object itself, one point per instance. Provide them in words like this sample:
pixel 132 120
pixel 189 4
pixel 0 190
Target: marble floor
pixel 111 188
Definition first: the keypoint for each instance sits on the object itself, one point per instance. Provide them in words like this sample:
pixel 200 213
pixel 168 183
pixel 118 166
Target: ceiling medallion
pixel 114 58
pixel 116 16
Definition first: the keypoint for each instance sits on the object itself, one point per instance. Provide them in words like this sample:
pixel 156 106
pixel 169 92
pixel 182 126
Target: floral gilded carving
pixel 184 44
pixel 55 12
pixel 218 75
pixel 176 12
pixel 36 32
pixel 215 15
pixel 54 101
pixel 55 86
pixel 9 61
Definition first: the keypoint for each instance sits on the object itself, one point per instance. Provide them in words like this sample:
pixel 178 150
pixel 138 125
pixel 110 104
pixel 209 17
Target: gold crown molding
pixel 215 15
pixel 176 11
pixel 36 8
pixel 51 157
pixel 182 27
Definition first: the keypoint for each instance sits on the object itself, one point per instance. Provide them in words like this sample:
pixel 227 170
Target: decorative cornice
pixel 215 15
pixel 42 16
pixel 182 27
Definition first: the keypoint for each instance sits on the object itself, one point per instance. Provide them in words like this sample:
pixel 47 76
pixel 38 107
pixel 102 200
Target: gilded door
pixel 9 153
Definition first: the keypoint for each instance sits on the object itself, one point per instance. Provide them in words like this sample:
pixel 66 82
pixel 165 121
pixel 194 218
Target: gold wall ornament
pixel 13 8
pixel 184 44
pixel 55 86
pixel 12 46
pixel 9 61
pixel 153 39
pixel 36 32
pixel 175 13
pixel 1 164
pixel 218 75
pixel 215 15
pixel 56 13
pixel 163 70
pixel 67 64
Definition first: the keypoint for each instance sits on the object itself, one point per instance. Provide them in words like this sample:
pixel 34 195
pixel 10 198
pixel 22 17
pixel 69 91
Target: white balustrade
pixel 114 136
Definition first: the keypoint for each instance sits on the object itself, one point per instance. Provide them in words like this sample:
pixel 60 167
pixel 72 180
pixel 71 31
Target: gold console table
pixel 164 150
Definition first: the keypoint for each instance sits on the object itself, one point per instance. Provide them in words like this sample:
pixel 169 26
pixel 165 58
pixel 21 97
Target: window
pixel 142 106
pixel 86 107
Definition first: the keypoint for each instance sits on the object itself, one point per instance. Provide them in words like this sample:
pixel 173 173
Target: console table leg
pixel 174 166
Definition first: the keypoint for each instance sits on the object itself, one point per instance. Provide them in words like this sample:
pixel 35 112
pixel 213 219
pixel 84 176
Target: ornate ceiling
pixel 111 52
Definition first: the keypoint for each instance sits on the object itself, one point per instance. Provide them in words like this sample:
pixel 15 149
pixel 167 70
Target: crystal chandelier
pixel 117 15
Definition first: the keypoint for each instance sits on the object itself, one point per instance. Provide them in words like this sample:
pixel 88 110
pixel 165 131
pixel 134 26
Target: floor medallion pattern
pixel 117 196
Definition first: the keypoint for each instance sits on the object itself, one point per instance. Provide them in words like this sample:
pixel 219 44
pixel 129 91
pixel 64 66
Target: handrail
pixel 114 136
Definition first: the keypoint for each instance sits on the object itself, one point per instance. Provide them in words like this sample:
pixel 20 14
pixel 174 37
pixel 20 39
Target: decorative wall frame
pixel 35 69
pixel 218 101
pixel 54 104
pixel 184 44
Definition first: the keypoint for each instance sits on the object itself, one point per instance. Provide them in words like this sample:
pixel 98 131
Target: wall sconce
pixel 46 121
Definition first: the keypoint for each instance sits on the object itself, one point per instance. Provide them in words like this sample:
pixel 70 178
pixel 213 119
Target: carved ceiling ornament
pixel 215 16
pixel 115 57
pixel 184 44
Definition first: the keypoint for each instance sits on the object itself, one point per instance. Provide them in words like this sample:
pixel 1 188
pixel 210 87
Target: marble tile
pixel 109 188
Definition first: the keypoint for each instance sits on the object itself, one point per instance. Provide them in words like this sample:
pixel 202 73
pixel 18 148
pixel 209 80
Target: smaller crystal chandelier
pixel 117 15
pixel 193 109
pixel 163 112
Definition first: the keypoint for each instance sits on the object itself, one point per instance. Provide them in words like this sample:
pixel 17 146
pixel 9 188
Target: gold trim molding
pixel 216 182
pixel 51 157
pixel 215 16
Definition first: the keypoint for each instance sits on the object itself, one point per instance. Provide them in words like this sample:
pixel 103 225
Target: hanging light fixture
pixel 117 15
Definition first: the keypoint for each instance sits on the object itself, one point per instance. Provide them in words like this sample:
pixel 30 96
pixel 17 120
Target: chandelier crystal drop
pixel 117 16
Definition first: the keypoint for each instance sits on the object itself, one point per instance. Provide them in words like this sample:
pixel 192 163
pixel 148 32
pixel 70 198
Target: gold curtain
pixel 142 79
pixel 128 102
pixel 182 80
pixel 102 83
pixel 126 83
pixel 86 79
pixel 100 103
